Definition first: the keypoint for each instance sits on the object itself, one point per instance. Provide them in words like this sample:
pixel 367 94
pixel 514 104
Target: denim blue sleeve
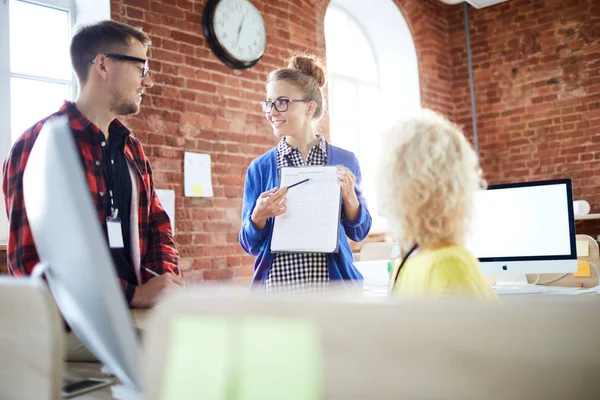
pixel 251 238
pixel 358 229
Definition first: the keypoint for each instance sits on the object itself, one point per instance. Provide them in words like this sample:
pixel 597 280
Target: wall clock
pixel 235 31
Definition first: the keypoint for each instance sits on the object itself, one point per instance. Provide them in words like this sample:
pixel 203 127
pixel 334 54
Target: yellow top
pixel 446 272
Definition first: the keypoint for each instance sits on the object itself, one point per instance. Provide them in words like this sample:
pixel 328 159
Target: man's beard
pixel 124 107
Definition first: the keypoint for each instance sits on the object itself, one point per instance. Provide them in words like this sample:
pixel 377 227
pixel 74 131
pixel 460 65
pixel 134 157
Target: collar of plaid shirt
pixel 284 148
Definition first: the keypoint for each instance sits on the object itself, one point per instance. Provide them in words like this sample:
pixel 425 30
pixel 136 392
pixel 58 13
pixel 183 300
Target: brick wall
pixel 537 88
pixel 199 105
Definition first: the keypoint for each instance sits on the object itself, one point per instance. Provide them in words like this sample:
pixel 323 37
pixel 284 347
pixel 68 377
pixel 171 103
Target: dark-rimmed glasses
pixel 281 105
pixel 124 57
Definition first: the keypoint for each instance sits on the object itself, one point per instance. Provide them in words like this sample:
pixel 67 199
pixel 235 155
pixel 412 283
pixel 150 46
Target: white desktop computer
pixel 74 254
pixel 524 228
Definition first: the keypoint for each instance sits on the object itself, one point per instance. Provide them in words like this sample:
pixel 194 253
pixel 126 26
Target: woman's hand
pixel 271 203
pixel 347 180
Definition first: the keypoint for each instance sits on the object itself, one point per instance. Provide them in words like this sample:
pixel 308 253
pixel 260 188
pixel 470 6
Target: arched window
pixel 373 81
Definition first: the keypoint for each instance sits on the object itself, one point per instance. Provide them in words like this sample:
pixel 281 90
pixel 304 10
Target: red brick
pixel 195 40
pixel 166 10
pixel 135 13
pixel 218 274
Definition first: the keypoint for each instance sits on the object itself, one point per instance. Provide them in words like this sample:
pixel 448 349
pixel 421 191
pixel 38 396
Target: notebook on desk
pixel 311 222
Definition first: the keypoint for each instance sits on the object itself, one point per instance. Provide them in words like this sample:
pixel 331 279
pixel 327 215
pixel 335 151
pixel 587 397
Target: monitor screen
pixel 530 221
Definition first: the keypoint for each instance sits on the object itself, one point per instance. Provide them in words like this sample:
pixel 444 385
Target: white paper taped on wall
pixel 197 175
pixel 167 199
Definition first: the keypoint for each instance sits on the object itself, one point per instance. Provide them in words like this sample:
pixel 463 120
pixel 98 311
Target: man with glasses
pixel 110 61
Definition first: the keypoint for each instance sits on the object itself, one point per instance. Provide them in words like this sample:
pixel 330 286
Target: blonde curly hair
pixel 429 174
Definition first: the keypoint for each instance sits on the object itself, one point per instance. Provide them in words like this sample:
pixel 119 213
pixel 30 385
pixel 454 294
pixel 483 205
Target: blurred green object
pixel 395 254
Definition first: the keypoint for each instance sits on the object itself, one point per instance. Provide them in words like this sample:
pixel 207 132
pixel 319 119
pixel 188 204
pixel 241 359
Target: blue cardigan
pixel 262 175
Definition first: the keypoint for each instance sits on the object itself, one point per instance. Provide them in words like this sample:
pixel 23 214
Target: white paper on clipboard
pixel 311 222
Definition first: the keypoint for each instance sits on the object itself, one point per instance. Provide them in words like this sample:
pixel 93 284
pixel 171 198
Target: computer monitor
pixel 522 228
pixel 73 252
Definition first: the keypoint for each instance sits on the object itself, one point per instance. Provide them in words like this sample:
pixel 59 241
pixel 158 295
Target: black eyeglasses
pixel 124 57
pixel 281 105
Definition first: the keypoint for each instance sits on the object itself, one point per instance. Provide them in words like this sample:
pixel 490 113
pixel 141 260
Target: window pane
pixel 31 101
pixel 370 145
pixel 343 116
pixel 39 41
pixel 349 52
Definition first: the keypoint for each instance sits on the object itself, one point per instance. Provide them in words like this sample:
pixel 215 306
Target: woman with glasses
pixel 293 106
pixel 429 174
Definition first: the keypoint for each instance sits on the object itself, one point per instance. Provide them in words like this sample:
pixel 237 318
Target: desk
pixel 585 217
pixel 83 370
pixel 139 318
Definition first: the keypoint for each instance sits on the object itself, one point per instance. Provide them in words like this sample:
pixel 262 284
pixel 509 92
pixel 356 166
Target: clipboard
pixel 311 223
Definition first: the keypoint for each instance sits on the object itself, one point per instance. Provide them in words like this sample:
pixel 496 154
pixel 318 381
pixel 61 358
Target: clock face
pixel 240 29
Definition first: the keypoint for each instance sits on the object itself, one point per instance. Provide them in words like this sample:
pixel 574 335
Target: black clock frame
pixel 213 42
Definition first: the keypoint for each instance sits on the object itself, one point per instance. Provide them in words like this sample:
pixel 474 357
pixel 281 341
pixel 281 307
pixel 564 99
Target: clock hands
pixel 239 31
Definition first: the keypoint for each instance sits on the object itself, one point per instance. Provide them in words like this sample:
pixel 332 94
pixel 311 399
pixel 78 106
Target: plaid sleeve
pixel 21 254
pixel 161 254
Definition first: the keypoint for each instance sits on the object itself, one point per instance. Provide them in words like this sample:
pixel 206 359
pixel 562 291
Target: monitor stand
pixel 504 280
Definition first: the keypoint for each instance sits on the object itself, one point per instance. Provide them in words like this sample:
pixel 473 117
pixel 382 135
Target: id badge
pixel 115 235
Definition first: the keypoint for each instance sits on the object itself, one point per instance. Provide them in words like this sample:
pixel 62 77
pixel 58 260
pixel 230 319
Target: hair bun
pixel 310 65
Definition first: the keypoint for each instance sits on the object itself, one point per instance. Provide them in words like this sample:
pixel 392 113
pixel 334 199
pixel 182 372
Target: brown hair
pixel 306 72
pixel 102 37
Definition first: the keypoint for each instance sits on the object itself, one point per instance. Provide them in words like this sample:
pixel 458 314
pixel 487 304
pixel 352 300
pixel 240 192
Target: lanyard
pixel 108 178
pixel 402 264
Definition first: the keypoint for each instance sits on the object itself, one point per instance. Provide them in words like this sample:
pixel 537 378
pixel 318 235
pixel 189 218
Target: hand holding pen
pixel 147 294
pixel 271 203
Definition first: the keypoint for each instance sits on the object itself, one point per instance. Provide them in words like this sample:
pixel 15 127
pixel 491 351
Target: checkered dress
pixel 299 272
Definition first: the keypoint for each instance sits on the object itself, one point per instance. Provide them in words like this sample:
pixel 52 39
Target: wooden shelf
pixel 589 216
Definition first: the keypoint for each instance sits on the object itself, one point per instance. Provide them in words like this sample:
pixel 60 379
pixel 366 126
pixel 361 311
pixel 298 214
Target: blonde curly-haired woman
pixel 429 177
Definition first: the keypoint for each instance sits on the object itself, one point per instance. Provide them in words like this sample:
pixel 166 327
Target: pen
pixel 298 183
pixel 152 272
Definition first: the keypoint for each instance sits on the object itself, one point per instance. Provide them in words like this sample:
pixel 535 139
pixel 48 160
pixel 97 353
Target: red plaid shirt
pixel 157 249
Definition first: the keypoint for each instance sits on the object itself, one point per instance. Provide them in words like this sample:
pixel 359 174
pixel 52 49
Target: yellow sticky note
pixel 584 270
pixel 583 248
pixel 199 362
pixel 280 359
pixel 197 190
